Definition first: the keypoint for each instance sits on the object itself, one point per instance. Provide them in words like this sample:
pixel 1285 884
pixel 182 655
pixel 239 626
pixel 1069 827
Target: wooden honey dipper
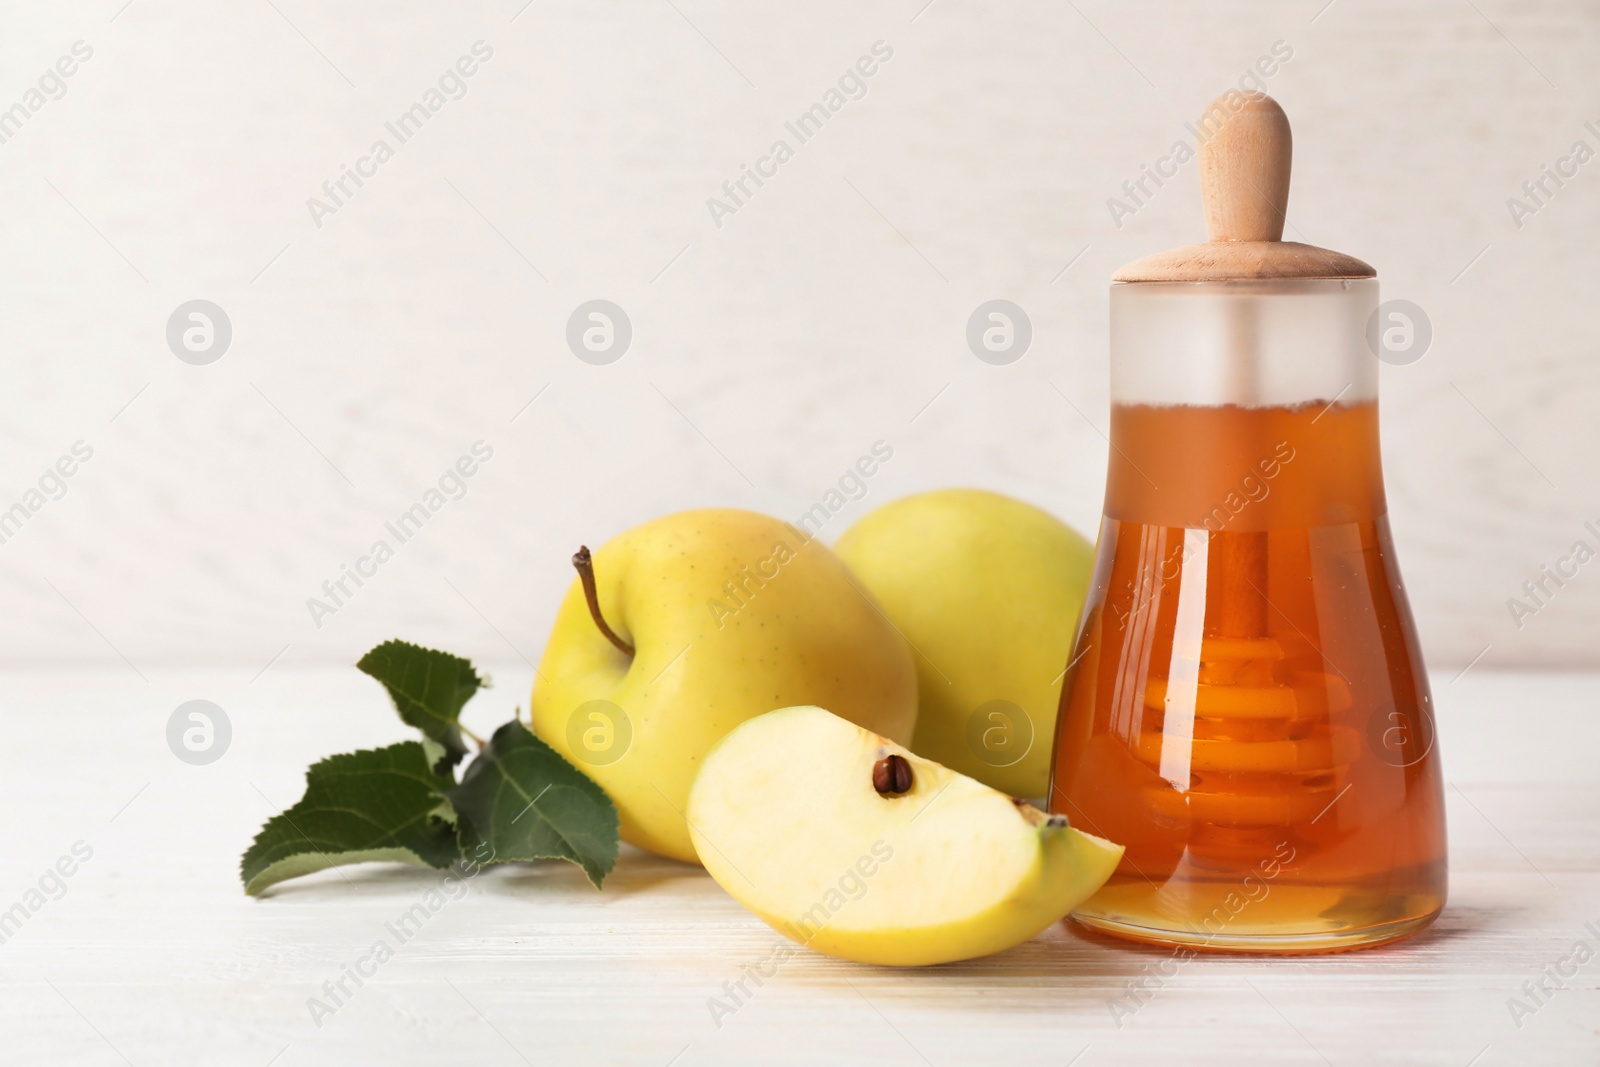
pixel 1251 764
pixel 1244 188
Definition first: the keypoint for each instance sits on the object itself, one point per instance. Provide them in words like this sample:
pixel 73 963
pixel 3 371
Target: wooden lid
pixel 1245 151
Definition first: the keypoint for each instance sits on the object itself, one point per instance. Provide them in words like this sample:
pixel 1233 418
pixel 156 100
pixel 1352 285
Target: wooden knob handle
pixel 1244 167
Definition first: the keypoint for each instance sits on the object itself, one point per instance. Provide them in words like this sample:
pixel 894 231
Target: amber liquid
pixel 1246 711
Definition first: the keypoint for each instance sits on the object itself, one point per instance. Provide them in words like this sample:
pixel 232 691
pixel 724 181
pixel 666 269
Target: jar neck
pixel 1252 344
pixel 1244 406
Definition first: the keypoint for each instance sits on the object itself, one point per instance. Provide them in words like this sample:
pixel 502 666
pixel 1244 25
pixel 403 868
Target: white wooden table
pixel 154 956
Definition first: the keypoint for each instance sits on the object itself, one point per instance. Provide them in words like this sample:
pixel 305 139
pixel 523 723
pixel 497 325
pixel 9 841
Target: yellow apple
pixel 725 614
pixel 987 590
pixel 808 821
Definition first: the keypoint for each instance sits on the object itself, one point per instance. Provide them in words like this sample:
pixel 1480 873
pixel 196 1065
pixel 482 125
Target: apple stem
pixel 585 567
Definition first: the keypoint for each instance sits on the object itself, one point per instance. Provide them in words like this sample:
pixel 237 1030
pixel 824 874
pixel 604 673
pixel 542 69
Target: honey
pixel 1246 709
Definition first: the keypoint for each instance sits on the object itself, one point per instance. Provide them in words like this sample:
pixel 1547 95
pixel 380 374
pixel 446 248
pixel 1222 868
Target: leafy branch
pixel 517 800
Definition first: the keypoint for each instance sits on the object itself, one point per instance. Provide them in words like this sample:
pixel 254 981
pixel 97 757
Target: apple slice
pixel 844 841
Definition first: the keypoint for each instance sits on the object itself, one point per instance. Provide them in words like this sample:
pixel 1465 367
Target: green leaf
pixel 522 799
pixel 428 688
pixel 376 804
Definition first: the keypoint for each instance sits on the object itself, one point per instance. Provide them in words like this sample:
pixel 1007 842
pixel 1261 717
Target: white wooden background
pixel 768 354
pixel 154 956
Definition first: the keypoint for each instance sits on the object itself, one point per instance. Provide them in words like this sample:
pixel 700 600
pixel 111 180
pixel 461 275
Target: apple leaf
pixel 518 800
pixel 428 688
pixel 522 799
pixel 376 804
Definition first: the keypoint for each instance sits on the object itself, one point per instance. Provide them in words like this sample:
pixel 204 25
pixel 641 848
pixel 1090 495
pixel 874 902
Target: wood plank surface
pixel 154 956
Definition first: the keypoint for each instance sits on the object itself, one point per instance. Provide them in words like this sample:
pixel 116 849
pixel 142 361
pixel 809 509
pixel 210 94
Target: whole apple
pixel 987 590
pixel 716 616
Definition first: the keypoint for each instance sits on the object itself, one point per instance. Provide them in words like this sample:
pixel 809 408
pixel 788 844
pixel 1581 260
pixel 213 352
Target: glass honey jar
pixel 1247 710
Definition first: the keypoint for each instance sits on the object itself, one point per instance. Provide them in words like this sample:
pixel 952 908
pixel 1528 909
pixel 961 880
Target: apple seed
pixel 891 776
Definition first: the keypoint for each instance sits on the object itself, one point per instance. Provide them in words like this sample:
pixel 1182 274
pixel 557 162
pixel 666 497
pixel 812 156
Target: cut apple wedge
pixel 844 841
